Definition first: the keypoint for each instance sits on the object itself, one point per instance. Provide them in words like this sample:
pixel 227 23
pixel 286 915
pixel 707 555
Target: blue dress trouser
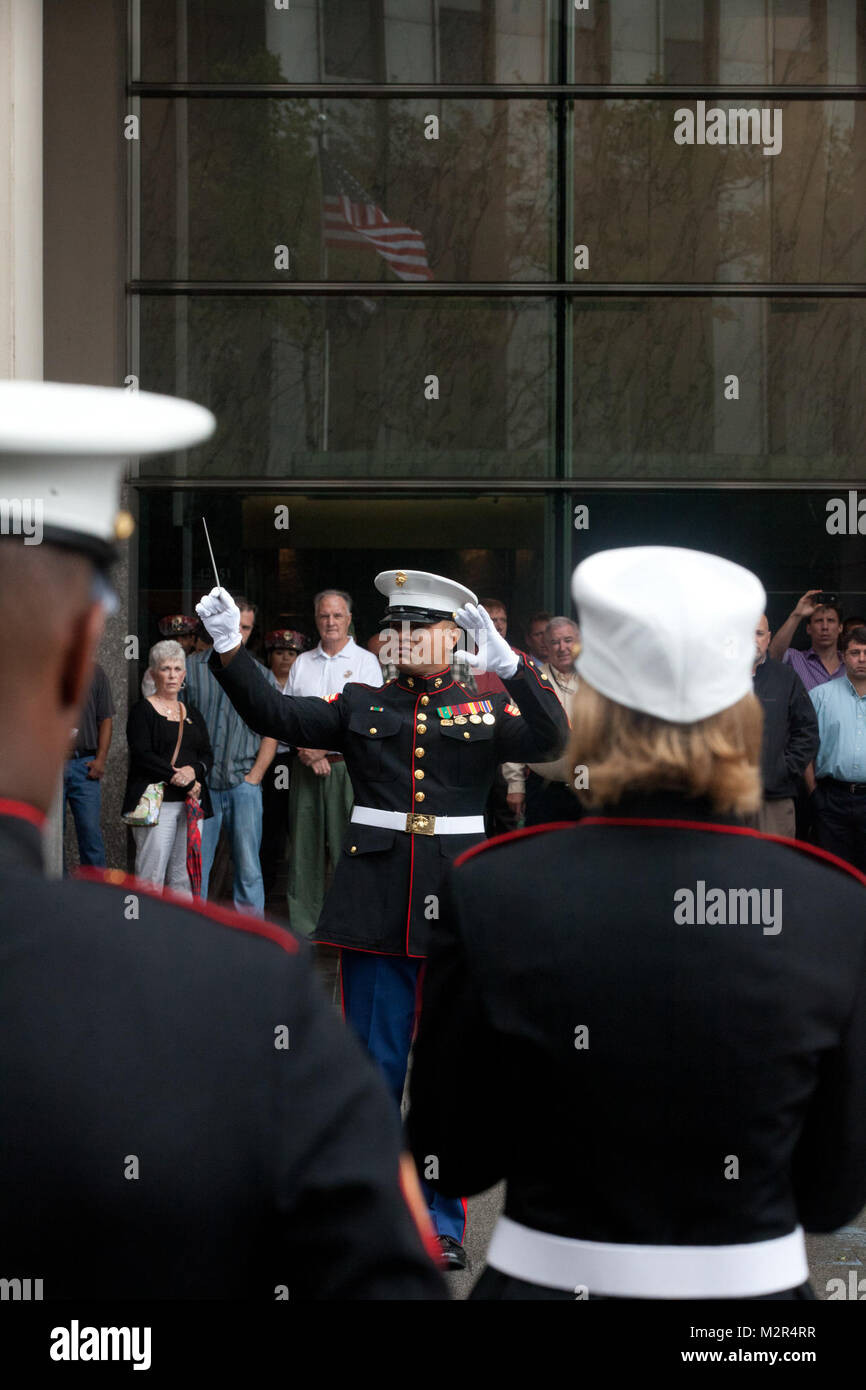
pixel 379 1000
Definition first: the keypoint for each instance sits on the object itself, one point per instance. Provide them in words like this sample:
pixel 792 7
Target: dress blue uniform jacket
pixel 705 1041
pixel 157 1142
pixel 402 755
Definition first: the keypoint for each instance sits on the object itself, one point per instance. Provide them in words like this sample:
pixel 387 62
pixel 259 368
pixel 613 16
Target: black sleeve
pixel 348 1228
pixel 801 744
pixel 830 1157
pixel 539 732
pixel 304 720
pixel 456 1111
pixel 139 735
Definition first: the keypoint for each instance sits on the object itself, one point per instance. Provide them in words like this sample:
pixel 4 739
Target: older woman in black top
pixel 152 735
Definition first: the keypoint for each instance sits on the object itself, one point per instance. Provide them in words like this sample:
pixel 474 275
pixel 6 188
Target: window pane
pixel 306 387
pixel 224 183
pixel 348 40
pixel 737 41
pixel 781 535
pixel 493 544
pixel 650 378
pixel 650 209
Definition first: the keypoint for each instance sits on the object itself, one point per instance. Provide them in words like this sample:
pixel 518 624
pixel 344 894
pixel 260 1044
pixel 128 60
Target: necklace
pixel 173 713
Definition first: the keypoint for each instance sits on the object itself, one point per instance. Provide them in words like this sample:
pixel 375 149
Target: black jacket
pixel 703 1041
pixel 157 1142
pixel 790 727
pixel 386 885
pixel 152 740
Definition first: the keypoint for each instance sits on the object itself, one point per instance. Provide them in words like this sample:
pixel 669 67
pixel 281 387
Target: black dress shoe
pixel 453 1256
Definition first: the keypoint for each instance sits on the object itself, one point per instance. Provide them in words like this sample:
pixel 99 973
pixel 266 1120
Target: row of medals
pixel 469 719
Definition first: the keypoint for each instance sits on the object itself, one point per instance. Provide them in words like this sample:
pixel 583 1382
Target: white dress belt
pixel 649 1271
pixel 432 825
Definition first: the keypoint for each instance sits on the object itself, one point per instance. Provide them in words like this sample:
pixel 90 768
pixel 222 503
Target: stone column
pixel 21 233
pixel 85 188
pixel 21 189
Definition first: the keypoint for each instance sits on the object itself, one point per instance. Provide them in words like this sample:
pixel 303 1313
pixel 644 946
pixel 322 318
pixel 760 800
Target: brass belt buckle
pixel 420 825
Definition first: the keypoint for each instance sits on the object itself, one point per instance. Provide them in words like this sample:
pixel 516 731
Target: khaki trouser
pixel 777 817
pixel 319 810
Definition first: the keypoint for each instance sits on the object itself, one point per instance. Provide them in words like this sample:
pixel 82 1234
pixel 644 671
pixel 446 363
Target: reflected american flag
pixel 351 217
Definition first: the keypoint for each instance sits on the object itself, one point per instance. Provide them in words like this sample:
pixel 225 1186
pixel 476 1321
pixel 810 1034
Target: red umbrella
pixel 194 815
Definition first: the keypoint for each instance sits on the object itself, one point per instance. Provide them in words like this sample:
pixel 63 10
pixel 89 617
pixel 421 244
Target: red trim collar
pixel 713 826
pixel 227 917
pixel 718 829
pixel 425 685
pixel 21 810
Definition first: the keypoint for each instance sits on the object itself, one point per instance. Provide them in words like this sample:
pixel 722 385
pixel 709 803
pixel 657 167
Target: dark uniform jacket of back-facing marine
pixel 157 1142
pixel 706 1041
pixel 402 755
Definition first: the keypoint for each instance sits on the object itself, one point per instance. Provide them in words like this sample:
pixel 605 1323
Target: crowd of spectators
pixel 274 802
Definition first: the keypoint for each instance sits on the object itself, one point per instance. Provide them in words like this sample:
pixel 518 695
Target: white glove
pixel 222 618
pixel 494 653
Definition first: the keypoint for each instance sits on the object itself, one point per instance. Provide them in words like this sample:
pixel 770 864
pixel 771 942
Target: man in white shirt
pixel 320 794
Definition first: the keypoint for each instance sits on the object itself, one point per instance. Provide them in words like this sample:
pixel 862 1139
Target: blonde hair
pixel 625 750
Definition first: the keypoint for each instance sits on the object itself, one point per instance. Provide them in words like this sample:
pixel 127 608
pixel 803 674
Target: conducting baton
pixel 210 548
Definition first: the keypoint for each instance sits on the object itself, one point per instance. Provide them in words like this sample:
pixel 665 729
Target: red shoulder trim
pixel 543 681
pixel 22 810
pixel 226 916
pixel 712 826
pixel 513 835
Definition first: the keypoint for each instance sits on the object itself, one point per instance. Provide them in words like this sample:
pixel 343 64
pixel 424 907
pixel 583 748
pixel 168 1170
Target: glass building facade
pixel 449 273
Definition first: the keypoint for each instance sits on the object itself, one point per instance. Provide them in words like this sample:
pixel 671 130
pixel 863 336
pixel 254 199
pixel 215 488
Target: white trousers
pixel 160 850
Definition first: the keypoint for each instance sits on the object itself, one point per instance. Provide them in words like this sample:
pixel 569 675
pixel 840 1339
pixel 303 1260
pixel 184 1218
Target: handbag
pixel 150 802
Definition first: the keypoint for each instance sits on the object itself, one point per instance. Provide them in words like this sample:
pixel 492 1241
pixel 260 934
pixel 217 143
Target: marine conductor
pixel 421 753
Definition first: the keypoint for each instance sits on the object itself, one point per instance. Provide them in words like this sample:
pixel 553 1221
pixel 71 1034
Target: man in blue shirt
pixel 839 798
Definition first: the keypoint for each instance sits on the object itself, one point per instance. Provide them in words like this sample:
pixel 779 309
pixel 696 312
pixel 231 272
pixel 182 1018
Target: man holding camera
pixel 822 661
